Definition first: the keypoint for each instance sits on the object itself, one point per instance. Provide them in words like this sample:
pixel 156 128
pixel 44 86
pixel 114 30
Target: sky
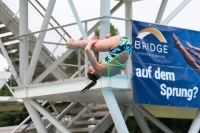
pixel 145 10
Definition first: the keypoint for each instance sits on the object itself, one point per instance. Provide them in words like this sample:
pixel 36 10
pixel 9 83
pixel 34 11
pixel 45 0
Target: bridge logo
pixel 143 33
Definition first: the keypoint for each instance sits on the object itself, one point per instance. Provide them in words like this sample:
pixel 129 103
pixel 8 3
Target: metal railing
pixel 122 25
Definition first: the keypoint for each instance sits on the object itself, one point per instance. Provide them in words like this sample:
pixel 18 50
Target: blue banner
pixel 166 65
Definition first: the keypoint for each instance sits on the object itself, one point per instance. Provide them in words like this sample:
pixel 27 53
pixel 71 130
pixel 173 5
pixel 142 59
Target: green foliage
pixel 5 92
pixel 113 31
pixel 10 118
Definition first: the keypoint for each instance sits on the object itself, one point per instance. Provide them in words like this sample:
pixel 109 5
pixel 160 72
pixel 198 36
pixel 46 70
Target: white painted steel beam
pixel 9 89
pixel 8 21
pixel 140 120
pixel 128 9
pixel 65 111
pixel 14 28
pixel 80 69
pixel 114 110
pixel 35 117
pixel 24 44
pixel 24 121
pixel 153 119
pixel 195 126
pixel 175 12
pixel 83 33
pixel 104 23
pixel 161 11
pixel 52 67
pixel 70 85
pixel 125 112
pixel 13 71
pixel 111 12
pixel 47 115
pixel 116 7
pixel 38 45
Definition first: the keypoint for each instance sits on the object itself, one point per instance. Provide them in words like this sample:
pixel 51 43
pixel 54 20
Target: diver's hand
pixel 177 43
pixel 94 40
pixel 108 36
pixel 189 45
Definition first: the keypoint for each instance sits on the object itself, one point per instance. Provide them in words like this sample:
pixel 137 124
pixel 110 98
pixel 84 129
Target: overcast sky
pixel 145 10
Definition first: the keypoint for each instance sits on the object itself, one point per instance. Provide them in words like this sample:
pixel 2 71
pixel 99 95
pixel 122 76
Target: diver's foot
pixel 71 40
pixel 69 43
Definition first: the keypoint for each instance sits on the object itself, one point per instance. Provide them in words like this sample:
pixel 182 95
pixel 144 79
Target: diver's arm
pixel 90 54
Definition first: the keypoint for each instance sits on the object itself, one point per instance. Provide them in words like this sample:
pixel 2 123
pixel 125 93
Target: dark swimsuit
pixel 123 46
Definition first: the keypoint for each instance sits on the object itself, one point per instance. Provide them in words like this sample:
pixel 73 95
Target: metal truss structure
pixel 115 92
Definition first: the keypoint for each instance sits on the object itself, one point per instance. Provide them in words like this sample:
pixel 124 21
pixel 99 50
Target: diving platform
pixel 68 90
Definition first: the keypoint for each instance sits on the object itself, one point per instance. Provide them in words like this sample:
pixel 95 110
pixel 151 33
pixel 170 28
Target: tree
pixel 113 31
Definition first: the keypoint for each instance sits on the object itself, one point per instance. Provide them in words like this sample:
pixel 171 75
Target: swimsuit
pixel 123 46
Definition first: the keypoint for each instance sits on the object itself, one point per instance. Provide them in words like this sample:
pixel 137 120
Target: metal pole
pixel 140 120
pixel 67 109
pixel 161 11
pixel 82 67
pixel 194 128
pixel 79 63
pixel 125 112
pixel 13 71
pixel 35 117
pixel 86 58
pixel 27 118
pixel 153 119
pixel 128 9
pixel 104 23
pixel 116 7
pixel 38 45
pixel 175 12
pixel 24 121
pixel 128 25
pixel 51 18
pixel 114 110
pixel 9 89
pixel 24 44
pixel 77 19
pixel 48 116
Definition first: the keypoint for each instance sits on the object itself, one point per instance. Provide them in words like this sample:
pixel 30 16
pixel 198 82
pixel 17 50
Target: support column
pixel 24 44
pixel 13 71
pixel 128 26
pixel 194 128
pixel 125 112
pixel 104 23
pixel 140 120
pixel 175 12
pixel 114 110
pixel 77 19
pixel 35 117
pixel 48 116
pixel 161 11
pixel 38 46
pixel 158 123
pixel 128 9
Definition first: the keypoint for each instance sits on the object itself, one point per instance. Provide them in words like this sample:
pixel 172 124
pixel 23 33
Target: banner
pixel 166 65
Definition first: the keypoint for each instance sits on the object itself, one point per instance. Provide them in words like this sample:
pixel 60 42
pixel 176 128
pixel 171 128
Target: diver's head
pixel 92 74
